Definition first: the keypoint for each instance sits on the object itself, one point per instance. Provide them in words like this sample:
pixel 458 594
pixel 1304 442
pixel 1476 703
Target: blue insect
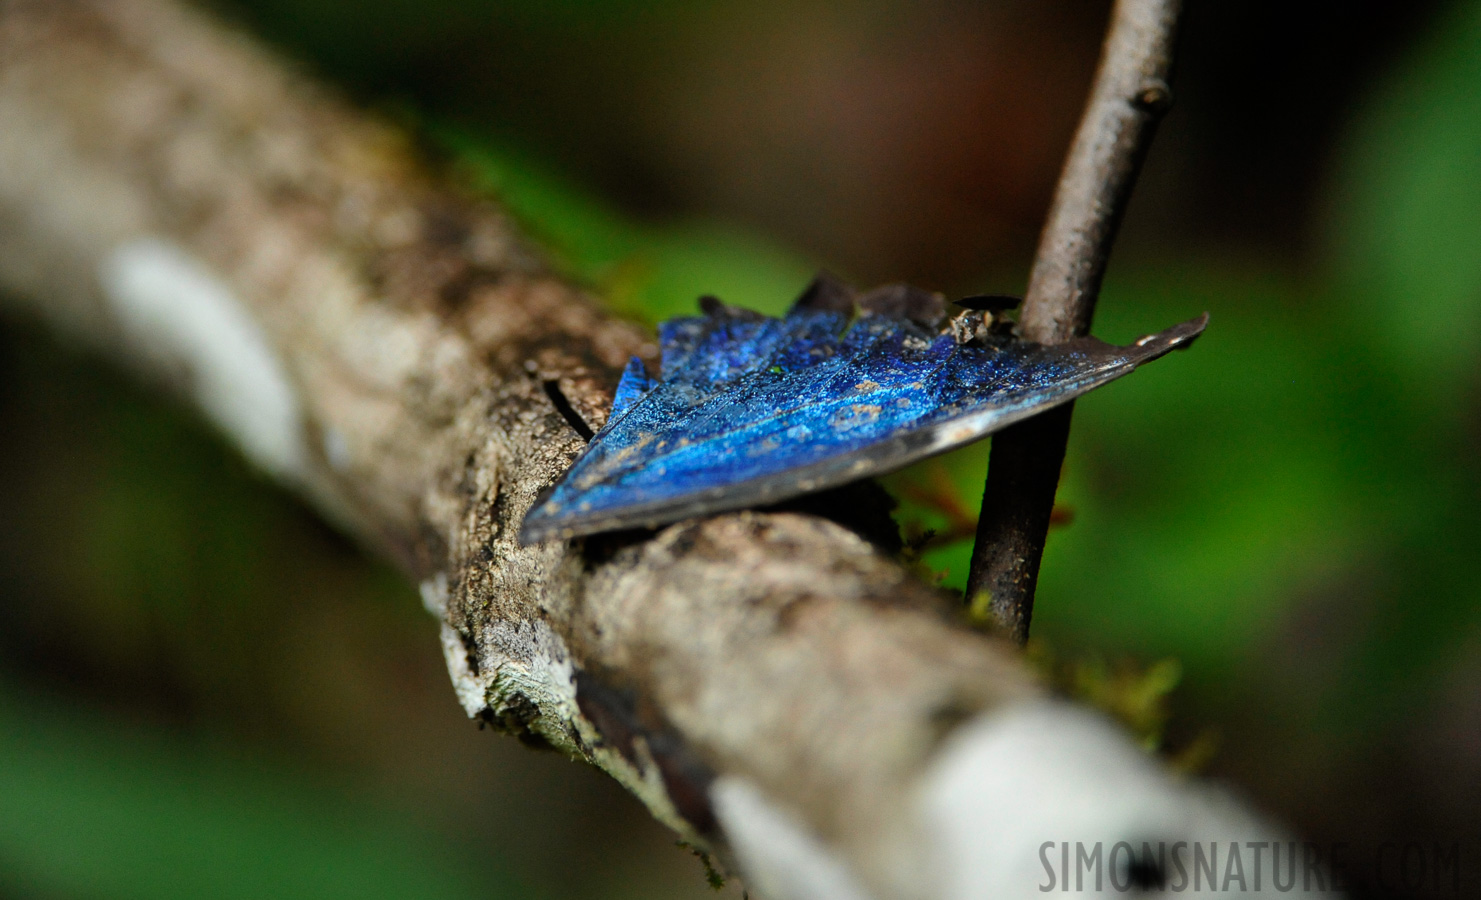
pixel 752 410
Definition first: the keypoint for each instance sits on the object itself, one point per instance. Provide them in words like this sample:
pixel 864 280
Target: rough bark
pixel 770 685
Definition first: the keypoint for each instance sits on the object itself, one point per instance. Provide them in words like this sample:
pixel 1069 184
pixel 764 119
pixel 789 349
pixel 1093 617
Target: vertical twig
pixel 1128 98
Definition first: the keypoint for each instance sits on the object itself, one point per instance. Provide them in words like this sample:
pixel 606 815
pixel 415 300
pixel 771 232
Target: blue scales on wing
pixel 750 410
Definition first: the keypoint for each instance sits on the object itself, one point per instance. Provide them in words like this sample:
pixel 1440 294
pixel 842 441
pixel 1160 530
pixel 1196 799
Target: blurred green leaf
pixel 1408 205
pixel 648 272
pixel 92 807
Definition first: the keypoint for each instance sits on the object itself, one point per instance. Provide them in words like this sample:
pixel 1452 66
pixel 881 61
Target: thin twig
pixel 1129 97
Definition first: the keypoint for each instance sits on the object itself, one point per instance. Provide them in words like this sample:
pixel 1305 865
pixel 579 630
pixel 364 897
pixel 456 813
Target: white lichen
pixel 337 450
pixel 434 595
pixel 778 854
pixel 173 309
pixel 469 690
pixel 1011 789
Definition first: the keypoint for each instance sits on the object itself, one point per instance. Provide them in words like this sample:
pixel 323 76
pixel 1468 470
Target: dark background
pixel 206 692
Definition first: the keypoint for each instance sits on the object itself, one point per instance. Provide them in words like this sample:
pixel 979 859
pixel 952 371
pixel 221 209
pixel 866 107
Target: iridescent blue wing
pixel 752 410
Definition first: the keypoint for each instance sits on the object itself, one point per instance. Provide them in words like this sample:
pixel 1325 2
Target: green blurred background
pixel 204 691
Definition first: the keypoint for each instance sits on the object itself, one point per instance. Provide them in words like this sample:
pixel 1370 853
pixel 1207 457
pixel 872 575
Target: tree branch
pixel 770 685
pixel 1128 99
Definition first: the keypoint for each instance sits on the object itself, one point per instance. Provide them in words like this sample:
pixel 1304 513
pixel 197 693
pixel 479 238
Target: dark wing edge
pixel 1178 337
